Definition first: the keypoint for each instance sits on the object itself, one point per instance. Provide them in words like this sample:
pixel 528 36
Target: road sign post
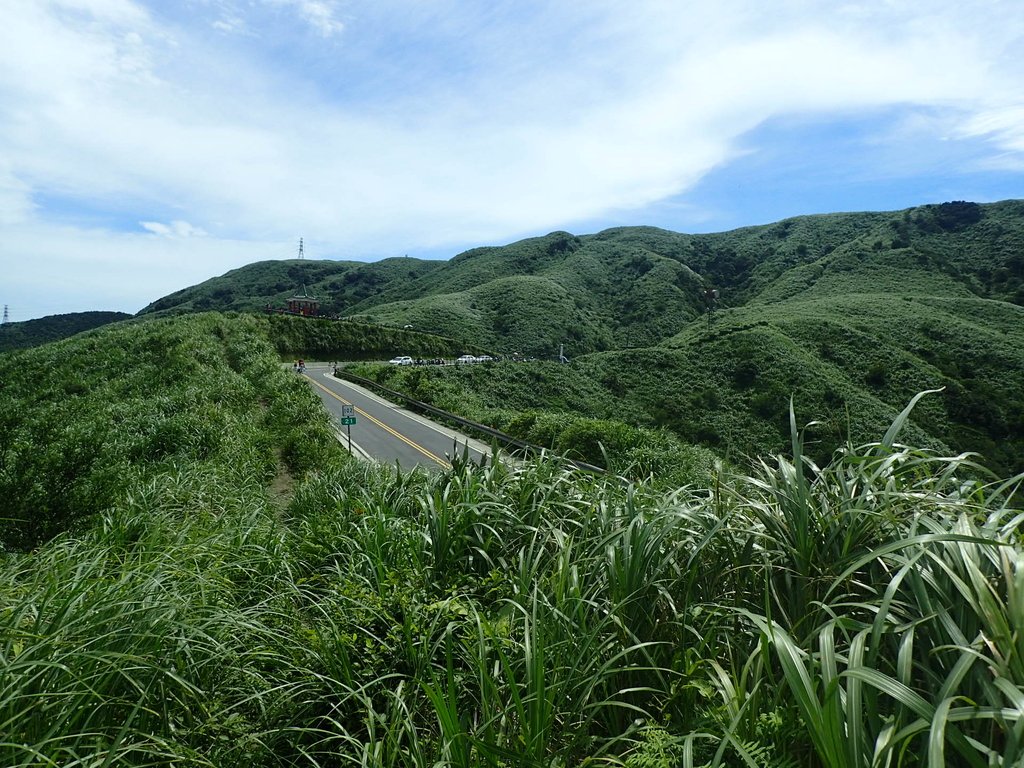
pixel 348 418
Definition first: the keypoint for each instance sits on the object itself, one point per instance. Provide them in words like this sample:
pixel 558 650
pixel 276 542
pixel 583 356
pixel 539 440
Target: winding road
pixel 387 433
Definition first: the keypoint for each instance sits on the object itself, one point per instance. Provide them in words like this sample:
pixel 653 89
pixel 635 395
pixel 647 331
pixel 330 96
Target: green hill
pixel 326 339
pixel 637 286
pixel 193 573
pixel 338 284
pixel 32 333
pixel 850 314
pixel 82 417
pixel 593 292
pixel 849 362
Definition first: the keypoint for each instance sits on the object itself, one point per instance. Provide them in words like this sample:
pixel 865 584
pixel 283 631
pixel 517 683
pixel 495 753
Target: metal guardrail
pixel 502 437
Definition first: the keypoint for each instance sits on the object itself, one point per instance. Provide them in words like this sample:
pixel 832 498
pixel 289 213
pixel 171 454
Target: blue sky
pixel 147 146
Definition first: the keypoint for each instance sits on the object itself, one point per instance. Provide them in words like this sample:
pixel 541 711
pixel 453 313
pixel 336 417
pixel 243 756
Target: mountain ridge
pixel 637 286
pixel 42 330
pixel 850 315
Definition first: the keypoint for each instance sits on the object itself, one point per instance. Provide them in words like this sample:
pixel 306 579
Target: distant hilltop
pixel 635 286
pixel 32 333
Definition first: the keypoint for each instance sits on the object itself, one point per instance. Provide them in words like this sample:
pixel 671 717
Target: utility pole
pixel 302 254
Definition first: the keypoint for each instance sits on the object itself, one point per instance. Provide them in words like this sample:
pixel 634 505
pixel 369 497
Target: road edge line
pixel 357 450
pixel 459 437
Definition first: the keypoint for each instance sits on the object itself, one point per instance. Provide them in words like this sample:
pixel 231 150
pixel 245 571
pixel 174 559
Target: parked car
pixel 405 360
pixel 466 359
pixel 485 359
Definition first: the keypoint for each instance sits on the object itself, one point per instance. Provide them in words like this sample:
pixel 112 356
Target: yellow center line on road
pixel 385 427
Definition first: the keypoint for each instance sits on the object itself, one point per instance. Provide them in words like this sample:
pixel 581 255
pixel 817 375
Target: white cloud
pixel 104 11
pixel 434 124
pixel 176 229
pixel 319 14
pixel 231 25
pixel 1004 125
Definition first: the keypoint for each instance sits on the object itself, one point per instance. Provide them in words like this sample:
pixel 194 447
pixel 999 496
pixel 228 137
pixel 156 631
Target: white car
pixel 485 359
pixel 405 360
pixel 466 359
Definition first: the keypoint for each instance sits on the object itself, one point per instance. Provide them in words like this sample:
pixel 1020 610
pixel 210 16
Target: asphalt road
pixel 387 433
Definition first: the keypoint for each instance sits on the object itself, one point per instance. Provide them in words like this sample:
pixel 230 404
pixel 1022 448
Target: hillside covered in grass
pixel 638 286
pixel 194 574
pixel 849 363
pixel 32 333
pixel 850 315
pixel 338 285
pixel 88 423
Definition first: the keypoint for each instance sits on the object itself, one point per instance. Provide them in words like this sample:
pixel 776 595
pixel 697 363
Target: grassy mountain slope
pixel 591 293
pixel 101 420
pixel 553 406
pixel 525 313
pixel 325 339
pixel 636 286
pixel 338 285
pixel 850 315
pixel 82 418
pixel 32 333
pixel 850 363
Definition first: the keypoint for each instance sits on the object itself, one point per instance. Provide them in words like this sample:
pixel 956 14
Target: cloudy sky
pixel 148 145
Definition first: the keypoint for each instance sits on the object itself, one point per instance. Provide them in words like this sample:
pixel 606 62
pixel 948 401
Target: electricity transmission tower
pixel 302 253
pixel 7 318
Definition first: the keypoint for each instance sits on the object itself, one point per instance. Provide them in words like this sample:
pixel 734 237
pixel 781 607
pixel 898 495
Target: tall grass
pixel 348 632
pixel 530 615
pixel 136 643
pixel 862 613
pixel 905 565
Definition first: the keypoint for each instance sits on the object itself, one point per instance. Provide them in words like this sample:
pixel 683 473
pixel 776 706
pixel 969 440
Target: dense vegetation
pixel 850 361
pixel 337 284
pixel 852 314
pixel 201 578
pixel 324 339
pixel 88 423
pixel 635 287
pixel 547 404
pixel 32 333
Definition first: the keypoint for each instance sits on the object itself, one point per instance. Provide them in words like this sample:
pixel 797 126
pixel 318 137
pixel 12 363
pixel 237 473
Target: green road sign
pixel 348 421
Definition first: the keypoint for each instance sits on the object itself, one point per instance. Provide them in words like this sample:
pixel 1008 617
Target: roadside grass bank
pixel 547 405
